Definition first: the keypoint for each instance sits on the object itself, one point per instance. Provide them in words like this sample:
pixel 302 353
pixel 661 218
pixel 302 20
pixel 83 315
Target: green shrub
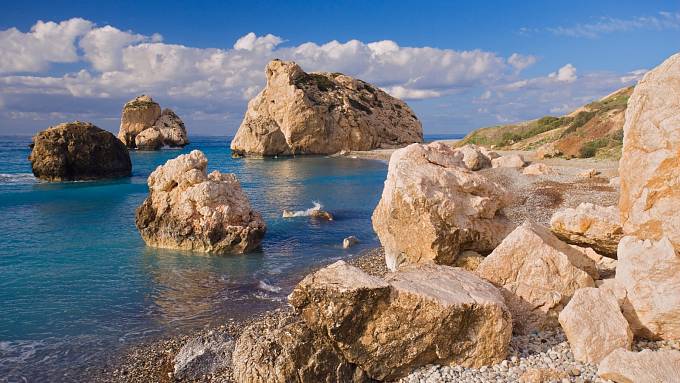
pixel 589 149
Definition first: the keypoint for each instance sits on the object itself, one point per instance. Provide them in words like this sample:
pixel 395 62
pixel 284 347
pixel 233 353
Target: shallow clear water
pixel 78 284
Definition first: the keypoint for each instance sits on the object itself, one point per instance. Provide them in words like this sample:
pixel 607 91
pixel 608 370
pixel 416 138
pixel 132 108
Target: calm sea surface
pixel 77 283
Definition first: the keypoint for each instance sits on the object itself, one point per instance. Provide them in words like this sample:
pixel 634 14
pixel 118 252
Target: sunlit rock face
pixel 322 113
pixel 144 126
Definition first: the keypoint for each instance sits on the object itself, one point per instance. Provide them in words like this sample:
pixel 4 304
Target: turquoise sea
pixel 77 283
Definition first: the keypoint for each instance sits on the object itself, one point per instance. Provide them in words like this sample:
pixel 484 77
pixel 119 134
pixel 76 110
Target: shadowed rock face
pixel 78 151
pixel 322 113
pixel 143 126
pixel 190 209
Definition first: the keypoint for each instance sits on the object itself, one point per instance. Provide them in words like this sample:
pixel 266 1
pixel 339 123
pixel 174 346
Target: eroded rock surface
pixel 419 315
pixel 646 366
pixel 78 151
pixel 144 126
pixel 650 186
pixel 322 113
pixel 473 157
pixel 589 225
pixel 433 207
pixel 537 274
pixel 594 325
pixel 190 209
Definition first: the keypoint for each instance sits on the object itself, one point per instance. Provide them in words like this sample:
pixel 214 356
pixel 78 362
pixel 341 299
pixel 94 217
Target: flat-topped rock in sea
pixel 190 209
pixel 78 150
pixel 322 113
pixel 433 207
pixel 143 126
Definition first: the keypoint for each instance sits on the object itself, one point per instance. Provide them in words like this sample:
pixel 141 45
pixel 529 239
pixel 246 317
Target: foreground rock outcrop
pixel 203 355
pixel 537 274
pixel 425 314
pixel 650 272
pixel 144 126
pixel 322 113
pixel 78 151
pixel 650 186
pixel 646 366
pixel 433 207
pixel 190 209
pixel 594 325
pixel 589 225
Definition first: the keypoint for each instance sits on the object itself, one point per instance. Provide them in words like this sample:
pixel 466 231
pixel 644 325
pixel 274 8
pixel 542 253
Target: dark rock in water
pixel 289 351
pixel 78 151
pixel 203 355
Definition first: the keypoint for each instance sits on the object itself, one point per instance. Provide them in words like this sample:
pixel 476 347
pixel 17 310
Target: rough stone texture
pixel 144 126
pixel 650 186
pixel 542 375
pixel 78 151
pixel 473 157
pixel 508 161
pixel 322 113
pixel 289 352
pixel 203 355
pixel 538 169
pixel 469 260
pixel 537 274
pixel 589 173
pixel 650 272
pixel 349 242
pixel 432 208
pixel 646 366
pixel 594 325
pixel 422 314
pixel 589 225
pixel 190 209
pixel 612 286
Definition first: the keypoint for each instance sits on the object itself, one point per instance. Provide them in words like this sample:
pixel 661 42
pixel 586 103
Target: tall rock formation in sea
pixel 144 126
pixel 78 151
pixel 322 113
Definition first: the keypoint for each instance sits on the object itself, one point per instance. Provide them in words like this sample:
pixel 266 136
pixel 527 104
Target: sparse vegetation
pixel 322 82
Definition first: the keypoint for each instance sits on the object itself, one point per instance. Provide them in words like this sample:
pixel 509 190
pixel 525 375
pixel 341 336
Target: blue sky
pixel 459 65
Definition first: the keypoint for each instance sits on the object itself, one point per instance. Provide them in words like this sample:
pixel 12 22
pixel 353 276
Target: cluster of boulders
pixel 322 113
pixel 144 126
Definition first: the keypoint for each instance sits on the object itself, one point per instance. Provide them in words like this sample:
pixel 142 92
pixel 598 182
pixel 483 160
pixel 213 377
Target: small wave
pixel 17 178
pixel 267 287
pixel 303 213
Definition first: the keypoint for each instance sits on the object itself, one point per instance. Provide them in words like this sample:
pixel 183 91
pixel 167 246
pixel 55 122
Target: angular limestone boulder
pixel 424 314
pixel 650 272
pixel 537 274
pixel 650 186
pixel 192 210
pixel 538 169
pixel 289 351
pixel 203 355
pixel 473 157
pixel 594 325
pixel 508 161
pixel 433 207
pixel 322 113
pixel 143 126
pixel 646 366
pixel 78 150
pixel 589 225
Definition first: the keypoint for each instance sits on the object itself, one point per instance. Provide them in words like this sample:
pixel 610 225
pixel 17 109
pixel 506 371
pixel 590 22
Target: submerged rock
pixel 190 209
pixel 432 208
pixel 322 113
pixel 422 314
pixel 349 242
pixel 78 151
pixel 143 126
pixel 537 274
pixel 589 225
pixel 650 186
pixel 203 355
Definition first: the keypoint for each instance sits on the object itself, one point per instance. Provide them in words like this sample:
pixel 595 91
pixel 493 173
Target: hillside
pixel 593 130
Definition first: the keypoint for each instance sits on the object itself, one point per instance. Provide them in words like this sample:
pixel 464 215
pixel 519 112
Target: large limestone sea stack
pixel 144 126
pixel 322 113
pixel 78 150
pixel 192 210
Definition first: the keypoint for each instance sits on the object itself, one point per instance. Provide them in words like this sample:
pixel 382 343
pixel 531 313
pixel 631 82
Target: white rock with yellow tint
pixel 589 225
pixel 433 207
pixel 650 162
pixel 650 272
pixel 594 325
pixel 538 169
pixel 473 157
pixel 508 161
pixel 537 274
pixel 647 366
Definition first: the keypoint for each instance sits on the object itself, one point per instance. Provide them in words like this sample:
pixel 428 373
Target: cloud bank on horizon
pixel 74 69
